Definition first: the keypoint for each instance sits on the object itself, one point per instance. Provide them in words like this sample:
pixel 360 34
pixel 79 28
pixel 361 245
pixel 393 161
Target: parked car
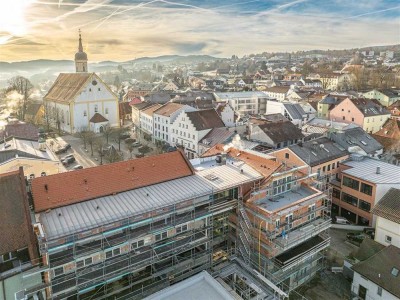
pixel 77 167
pixel 342 221
pixel 67 156
pixel 125 135
pixel 136 144
pixel 130 140
pixel 60 150
pixel 370 232
pixel 355 237
pixel 68 161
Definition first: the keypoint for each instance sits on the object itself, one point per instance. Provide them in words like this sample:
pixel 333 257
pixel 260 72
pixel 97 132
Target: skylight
pixel 395 272
pixel 313 153
pixel 364 143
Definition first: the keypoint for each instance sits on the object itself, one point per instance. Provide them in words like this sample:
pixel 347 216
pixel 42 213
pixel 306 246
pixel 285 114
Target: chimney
pixel 378 170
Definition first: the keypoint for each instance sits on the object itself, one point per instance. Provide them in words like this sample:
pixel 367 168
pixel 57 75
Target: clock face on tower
pixel 94 82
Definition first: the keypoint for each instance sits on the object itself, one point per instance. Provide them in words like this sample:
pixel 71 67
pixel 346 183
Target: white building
pixel 190 127
pixel 163 119
pixel 75 98
pixel 378 277
pixel 387 219
pixel 292 111
pixel 227 114
pixel 244 103
pixel 279 93
pixel 146 119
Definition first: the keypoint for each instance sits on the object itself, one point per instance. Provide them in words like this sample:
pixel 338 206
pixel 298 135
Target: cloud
pixel 124 29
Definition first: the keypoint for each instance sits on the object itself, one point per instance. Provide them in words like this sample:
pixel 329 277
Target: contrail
pixel 373 12
pixel 279 7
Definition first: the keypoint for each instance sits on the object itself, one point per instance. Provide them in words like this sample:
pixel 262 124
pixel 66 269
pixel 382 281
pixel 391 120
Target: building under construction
pixel 128 229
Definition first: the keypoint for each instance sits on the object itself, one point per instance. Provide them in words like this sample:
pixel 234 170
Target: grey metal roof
pixel 85 215
pixel 365 169
pixel 233 95
pixel 356 137
pixel 294 110
pixel 318 151
pixel 23 148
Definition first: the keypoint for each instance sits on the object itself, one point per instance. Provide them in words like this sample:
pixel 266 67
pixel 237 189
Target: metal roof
pixel 233 95
pixel 366 169
pixel 94 213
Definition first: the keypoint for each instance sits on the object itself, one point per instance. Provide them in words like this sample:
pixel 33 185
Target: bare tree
pixel 107 132
pixel 83 134
pixel 47 115
pixel 91 140
pixel 100 148
pixel 118 136
pixel 112 155
pixel 24 87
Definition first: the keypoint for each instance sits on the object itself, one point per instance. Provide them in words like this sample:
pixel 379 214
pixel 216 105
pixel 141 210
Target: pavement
pixel 339 243
pixel 81 155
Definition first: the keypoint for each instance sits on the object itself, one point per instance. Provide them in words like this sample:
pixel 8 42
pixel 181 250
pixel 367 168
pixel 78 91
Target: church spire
pixel 80 48
pixel 80 57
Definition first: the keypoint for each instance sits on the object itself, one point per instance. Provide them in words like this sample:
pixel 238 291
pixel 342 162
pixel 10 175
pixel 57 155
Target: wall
pixel 385 227
pixel 375 123
pixel 371 287
pixel 347 110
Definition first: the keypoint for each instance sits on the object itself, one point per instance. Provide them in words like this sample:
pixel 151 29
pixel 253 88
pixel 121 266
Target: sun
pixel 12 16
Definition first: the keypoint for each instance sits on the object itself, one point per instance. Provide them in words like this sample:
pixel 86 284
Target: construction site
pixel 258 227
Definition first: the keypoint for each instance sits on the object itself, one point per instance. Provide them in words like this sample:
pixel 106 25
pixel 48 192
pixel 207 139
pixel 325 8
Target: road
pixel 82 157
pixel 338 242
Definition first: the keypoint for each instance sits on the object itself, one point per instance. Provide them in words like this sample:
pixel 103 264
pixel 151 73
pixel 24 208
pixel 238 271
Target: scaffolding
pixel 132 257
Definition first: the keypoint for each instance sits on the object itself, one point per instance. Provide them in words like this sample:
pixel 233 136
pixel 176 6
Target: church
pixel 81 100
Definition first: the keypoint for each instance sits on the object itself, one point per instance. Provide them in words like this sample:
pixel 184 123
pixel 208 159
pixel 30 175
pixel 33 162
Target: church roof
pixel 67 86
pixel 98 118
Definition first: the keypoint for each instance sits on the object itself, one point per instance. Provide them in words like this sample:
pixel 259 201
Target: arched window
pixel 31 176
pixel 43 174
pixel 106 111
pixel 84 113
pixel 96 108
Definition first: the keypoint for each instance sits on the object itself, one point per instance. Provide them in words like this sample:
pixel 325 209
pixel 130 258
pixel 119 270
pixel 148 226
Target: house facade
pixel 385 97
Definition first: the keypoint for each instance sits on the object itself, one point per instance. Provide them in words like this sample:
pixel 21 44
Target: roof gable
pixel 81 185
pixel 67 86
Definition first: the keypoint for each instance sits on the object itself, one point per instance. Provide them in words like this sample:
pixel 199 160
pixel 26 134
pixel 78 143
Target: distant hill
pixel 45 68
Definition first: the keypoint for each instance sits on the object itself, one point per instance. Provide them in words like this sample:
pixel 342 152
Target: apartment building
pixel 146 119
pixel 244 103
pixel 321 155
pixel 281 226
pixel 163 118
pixel 279 93
pixel 136 111
pixel 366 113
pixel 191 127
pixel 363 181
pixel 157 221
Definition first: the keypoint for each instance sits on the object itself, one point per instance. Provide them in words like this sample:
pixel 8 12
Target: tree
pixel 107 132
pixel 117 81
pixel 24 87
pixel 118 136
pixel 47 115
pixel 82 134
pixel 100 148
pixel 111 155
pixel 91 140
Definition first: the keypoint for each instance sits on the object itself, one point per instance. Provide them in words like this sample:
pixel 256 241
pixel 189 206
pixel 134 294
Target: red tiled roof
pixel 124 109
pixel 135 100
pixel 168 109
pixel 150 110
pixel 81 185
pixel 20 130
pixel 98 118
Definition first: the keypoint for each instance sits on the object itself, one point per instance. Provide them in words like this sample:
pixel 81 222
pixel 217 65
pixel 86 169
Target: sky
pixel 121 30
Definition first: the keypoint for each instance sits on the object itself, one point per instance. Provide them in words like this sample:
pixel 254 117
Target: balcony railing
pixel 297 236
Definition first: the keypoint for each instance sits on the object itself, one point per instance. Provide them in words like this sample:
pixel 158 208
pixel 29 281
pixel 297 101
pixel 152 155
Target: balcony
pixel 298 236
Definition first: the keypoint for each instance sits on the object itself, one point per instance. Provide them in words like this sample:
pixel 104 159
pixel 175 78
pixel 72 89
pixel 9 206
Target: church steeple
pixel 80 57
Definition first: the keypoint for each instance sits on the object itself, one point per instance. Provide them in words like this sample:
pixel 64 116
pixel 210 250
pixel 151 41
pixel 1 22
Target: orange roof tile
pixel 150 111
pixel 81 185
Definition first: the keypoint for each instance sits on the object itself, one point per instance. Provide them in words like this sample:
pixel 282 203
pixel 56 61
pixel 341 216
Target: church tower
pixel 80 57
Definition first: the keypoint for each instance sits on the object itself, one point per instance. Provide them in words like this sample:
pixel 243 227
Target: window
pixel 351 183
pixel 31 176
pixel 88 261
pixel 323 168
pixel 106 111
pixel 58 271
pixel 289 220
pixel 286 155
pixel 182 228
pixel 349 199
pixel 161 236
pixel 395 272
pixel 388 239
pixel 329 168
pixel 96 108
pixel 116 251
pixel 137 244
pixel 333 166
pixel 379 291
pixel 43 174
pixel 344 118
pixel 90 89
pixel 366 189
pixel 98 89
pixel 79 264
pixel 336 193
pixel 193 136
pixel 352 119
pixel 342 109
pixel 364 205
pixel 84 113
pixel 108 254
pixel 277 223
